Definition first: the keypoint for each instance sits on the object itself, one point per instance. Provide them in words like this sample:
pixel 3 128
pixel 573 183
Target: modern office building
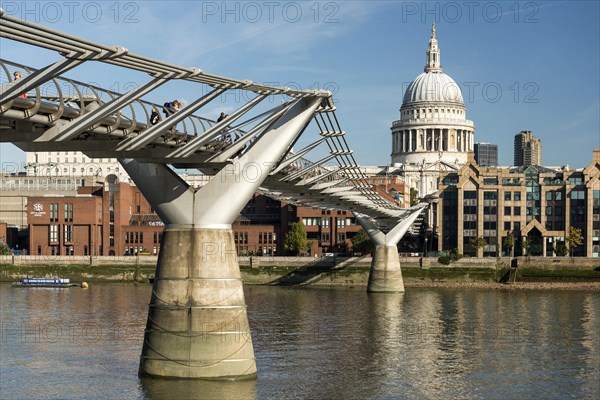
pixel 528 149
pixel 486 154
pixel 535 206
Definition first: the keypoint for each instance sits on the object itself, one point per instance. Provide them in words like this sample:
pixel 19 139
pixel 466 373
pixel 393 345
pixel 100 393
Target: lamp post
pixel 426 246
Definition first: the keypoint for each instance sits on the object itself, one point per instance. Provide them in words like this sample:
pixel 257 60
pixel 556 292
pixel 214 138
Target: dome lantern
pixel 433 53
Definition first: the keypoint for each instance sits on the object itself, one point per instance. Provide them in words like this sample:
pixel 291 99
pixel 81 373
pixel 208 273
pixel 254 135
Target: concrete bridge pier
pixel 385 275
pixel 197 323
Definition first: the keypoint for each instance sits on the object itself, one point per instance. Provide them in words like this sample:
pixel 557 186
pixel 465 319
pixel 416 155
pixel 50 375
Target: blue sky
pixel 521 65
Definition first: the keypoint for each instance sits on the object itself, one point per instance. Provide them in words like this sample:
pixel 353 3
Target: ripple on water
pixel 315 343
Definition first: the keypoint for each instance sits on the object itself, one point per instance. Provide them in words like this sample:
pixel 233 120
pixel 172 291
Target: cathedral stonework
pixel 432 127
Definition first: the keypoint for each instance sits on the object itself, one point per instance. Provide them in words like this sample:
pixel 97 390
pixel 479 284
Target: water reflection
pixel 315 343
pixel 190 389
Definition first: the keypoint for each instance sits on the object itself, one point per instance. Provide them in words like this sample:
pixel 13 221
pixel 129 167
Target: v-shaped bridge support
pixel 197 322
pixel 385 274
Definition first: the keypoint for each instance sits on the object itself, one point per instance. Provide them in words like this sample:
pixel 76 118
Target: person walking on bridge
pixel 17 75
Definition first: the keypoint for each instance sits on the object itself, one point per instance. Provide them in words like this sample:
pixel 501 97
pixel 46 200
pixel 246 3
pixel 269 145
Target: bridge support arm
pixel 385 274
pixel 197 323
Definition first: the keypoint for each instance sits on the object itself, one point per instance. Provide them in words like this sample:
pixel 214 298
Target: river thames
pixel 315 343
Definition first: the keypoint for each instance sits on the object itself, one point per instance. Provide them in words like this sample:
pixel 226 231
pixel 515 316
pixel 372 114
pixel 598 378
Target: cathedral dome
pixel 433 128
pixel 433 87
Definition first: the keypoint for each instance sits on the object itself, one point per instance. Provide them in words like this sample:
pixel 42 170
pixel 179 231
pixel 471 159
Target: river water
pixel 315 343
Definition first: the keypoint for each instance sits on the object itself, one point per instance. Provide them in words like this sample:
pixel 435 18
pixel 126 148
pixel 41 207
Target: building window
pixel 470 219
pixel 507 225
pixel 517 196
pixel 576 180
pixel 517 211
pixel 53 212
pixel 53 234
pixel 68 233
pixel 506 210
pixel 507 196
pixel 450 219
pixel 311 221
pixel 68 212
pixel 450 179
pixel 558 225
pixel 577 195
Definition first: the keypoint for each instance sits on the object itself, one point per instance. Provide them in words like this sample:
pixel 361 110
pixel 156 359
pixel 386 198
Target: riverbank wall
pixel 326 271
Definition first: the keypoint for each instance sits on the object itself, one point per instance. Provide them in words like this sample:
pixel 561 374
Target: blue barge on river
pixel 44 282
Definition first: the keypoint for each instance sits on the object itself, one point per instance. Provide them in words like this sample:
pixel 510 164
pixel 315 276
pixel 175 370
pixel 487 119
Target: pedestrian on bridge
pixel 17 75
pixel 154 117
pixel 169 108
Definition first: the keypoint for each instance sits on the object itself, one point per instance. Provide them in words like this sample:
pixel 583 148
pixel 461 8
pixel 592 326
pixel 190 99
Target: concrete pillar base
pixel 197 322
pixel 385 274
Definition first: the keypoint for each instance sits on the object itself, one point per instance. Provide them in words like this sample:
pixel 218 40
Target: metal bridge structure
pixel 197 324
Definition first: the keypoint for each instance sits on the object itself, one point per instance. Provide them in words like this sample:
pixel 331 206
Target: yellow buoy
pixel 84 285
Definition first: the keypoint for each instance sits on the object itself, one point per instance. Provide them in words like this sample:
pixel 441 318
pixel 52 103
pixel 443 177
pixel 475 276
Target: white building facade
pixel 72 163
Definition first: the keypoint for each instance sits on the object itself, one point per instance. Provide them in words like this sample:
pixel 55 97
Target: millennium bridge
pixel 197 323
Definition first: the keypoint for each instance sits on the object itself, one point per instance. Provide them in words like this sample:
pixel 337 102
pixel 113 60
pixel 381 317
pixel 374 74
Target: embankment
pixel 326 271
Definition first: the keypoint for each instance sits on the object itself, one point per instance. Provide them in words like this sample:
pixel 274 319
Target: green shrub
pixel 455 255
pixel 452 256
pixel 446 260
pixel 4 250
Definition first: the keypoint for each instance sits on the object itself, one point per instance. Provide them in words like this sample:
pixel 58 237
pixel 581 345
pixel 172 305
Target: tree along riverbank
pixel 327 271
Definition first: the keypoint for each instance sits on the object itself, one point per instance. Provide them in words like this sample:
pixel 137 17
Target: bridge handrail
pixel 66 103
pixel 72 46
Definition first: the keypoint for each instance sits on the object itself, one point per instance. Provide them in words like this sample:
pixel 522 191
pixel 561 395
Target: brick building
pixel 4 234
pixel 113 219
pixel 261 228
